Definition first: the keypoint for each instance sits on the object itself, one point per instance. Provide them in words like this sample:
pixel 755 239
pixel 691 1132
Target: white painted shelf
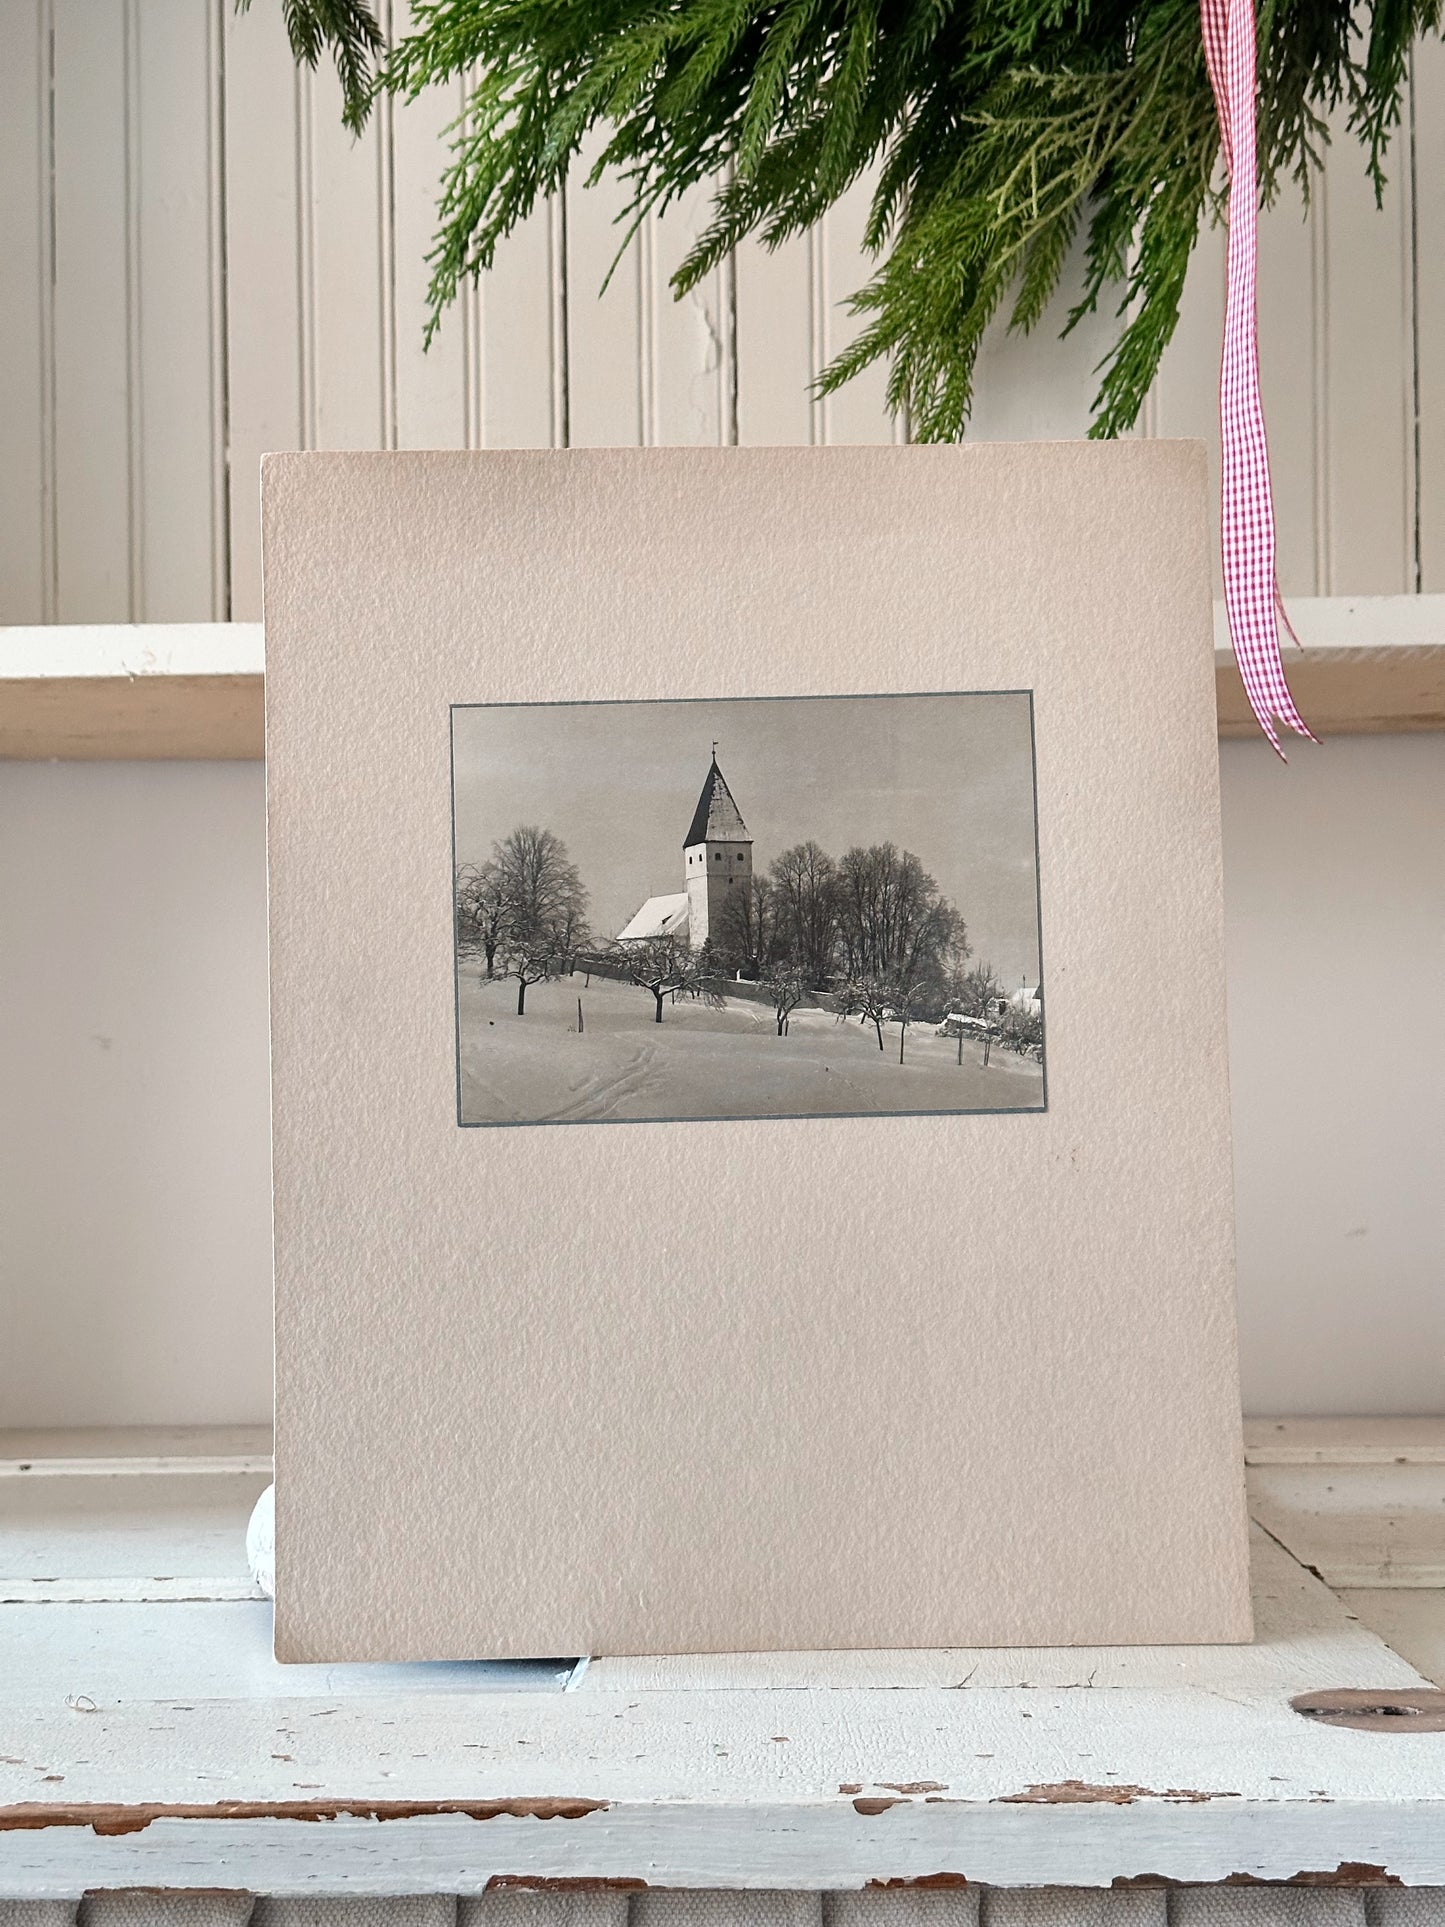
pixel 1367 665
pixel 1344 1441
pixel 154 1741
pixel 196 690
pixel 133 692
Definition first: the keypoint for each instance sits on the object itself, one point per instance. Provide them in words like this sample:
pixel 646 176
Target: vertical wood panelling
pixel 220 342
pixel 178 353
pixel 25 592
pixel 642 368
pixel 96 423
pixel 384 122
pixel 1291 363
pixel 437 391
pixel 1184 402
pixel 520 312
pixel 1369 375
pixel 792 319
pixel 202 264
pixel 1186 391
pixel 1041 385
pixel 495 373
pixel 776 349
pixel 134 320
pixel 263 295
pixel 859 411
pixel 690 399
pixel 1429 306
pixel 346 373
pixel 605 373
pixel 1336 369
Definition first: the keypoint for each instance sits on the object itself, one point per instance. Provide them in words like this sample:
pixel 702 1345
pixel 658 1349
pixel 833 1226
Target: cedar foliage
pixel 1001 130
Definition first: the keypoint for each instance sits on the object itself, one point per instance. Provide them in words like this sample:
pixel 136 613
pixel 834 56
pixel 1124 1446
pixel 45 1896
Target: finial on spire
pixel 714 749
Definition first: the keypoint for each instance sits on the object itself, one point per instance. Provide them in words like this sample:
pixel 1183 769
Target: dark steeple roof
pixel 717 819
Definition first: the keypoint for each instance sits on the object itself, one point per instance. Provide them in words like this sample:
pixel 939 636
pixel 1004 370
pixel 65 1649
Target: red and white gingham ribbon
pixel 1251 590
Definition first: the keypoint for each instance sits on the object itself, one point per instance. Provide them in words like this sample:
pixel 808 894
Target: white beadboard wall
pixel 201 265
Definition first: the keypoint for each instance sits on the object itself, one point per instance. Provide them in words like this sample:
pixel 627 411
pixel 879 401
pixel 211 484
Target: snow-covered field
pixel 704 1063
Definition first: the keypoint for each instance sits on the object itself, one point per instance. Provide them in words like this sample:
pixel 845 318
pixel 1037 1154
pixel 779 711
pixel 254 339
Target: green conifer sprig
pixel 352 32
pixel 1000 130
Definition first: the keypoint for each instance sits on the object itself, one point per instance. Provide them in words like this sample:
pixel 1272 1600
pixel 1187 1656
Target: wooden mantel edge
pixel 799 1846
pixel 182 691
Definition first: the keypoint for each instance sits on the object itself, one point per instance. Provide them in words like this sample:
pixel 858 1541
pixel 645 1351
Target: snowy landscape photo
pixel 783 907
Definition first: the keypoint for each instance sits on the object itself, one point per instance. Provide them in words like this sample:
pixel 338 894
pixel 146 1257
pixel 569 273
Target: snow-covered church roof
pixel 658 917
pixel 717 818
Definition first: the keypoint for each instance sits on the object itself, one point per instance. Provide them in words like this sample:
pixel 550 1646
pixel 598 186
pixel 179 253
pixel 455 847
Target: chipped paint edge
pixel 819 1846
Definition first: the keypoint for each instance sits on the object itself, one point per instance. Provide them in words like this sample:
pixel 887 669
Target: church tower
pixel 717 857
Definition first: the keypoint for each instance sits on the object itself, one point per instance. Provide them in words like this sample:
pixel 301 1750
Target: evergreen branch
pixel 1005 139
pixel 349 28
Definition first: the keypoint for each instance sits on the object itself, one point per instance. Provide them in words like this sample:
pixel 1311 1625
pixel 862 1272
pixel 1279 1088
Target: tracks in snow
pixel 599 1095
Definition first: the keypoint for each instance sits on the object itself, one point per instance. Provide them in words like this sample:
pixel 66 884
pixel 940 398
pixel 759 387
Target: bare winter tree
pixel 481 910
pixel 539 884
pixel 667 967
pixel 805 892
pixel 788 985
pixel 571 933
pixel 530 963
pixel 904 1000
pixel 974 992
pixel 1022 1029
pixel 525 907
pixel 865 997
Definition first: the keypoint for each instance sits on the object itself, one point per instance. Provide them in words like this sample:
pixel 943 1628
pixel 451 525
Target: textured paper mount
pixel 772 1384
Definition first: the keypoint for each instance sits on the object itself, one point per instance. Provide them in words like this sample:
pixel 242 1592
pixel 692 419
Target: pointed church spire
pixel 717 818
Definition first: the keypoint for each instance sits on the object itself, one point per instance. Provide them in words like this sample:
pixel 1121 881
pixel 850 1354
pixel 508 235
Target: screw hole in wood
pixel 1414 1710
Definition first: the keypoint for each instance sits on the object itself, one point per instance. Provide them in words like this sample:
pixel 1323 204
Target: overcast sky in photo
pixel 949 777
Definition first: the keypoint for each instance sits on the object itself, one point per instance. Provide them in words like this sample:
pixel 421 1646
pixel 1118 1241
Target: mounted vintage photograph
pixel 779 907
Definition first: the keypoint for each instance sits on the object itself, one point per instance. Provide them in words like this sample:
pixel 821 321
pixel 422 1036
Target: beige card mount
pixel 751 1126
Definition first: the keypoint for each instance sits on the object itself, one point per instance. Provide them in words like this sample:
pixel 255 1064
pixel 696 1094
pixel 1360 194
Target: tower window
pixel 717 856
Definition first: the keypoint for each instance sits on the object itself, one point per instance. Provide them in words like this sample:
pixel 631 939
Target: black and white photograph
pixel 780 907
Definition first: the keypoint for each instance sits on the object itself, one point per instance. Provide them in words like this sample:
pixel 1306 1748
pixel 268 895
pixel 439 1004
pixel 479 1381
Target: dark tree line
pixel 872 926
pixel 871 929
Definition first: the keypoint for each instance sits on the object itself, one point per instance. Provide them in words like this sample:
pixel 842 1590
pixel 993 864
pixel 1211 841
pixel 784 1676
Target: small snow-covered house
pixel 1028 997
pixel 717 862
pixel 658 917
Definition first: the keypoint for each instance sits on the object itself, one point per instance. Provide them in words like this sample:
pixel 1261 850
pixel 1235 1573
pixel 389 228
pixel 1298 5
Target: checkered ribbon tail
pixel 1251 589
